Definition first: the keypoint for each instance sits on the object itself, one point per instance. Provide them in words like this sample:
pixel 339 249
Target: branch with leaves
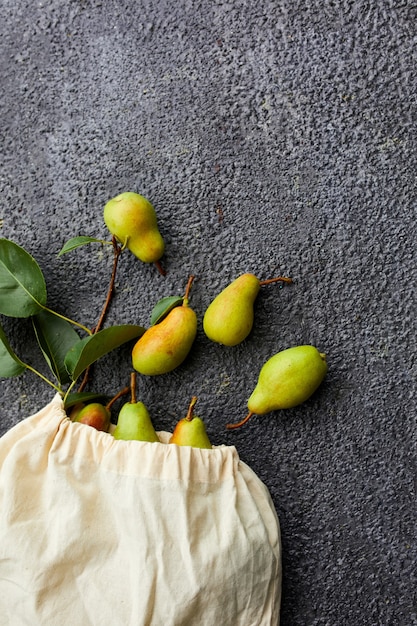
pixel 68 355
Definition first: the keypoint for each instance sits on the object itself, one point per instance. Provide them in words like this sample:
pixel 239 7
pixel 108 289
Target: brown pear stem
pixel 117 250
pixel 190 411
pixel 118 395
pixel 188 288
pixel 160 269
pixel 133 388
pixel 239 424
pixel 284 279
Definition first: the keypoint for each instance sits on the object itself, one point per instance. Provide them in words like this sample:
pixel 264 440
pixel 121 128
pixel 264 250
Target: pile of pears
pixel 287 379
pixel 134 422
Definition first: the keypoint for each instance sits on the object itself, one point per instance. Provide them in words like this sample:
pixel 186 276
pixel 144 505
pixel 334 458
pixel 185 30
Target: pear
pixel 164 346
pixel 134 422
pixel 229 318
pixel 191 430
pixel 131 218
pixel 94 414
pixel 286 380
pixel 75 411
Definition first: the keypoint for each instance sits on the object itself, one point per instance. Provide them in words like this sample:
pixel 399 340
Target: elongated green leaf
pixel 22 285
pixel 76 242
pixel 55 337
pixel 82 396
pixel 10 364
pixel 90 349
pixel 163 307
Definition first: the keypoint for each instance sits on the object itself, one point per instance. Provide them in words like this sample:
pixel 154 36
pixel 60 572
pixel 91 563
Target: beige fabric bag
pixel 95 531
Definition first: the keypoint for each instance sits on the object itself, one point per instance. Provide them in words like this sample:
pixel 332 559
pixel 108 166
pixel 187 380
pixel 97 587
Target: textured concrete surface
pixel 274 138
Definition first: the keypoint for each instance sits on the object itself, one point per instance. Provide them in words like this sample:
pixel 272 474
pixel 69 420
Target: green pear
pixel 131 218
pixel 165 345
pixel 95 415
pixel 286 380
pixel 134 422
pixel 229 318
pixel 191 430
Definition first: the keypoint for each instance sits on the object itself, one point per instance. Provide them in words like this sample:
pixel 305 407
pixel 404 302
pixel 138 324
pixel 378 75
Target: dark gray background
pixel 273 137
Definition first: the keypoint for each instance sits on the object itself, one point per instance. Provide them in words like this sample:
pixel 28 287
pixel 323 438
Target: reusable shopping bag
pixel 97 531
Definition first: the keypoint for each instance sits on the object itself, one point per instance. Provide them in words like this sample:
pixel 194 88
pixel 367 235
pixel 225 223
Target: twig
pixel 117 250
pixel 119 394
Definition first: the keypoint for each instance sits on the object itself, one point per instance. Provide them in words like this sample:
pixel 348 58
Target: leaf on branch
pixel 163 307
pixel 10 364
pixel 22 285
pixel 90 349
pixel 55 337
pixel 83 396
pixel 76 242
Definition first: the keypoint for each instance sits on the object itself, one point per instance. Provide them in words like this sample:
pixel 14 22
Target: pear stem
pixel 118 395
pixel 133 388
pixel 239 424
pixel 190 411
pixel 188 289
pixel 284 279
pixel 117 250
pixel 160 269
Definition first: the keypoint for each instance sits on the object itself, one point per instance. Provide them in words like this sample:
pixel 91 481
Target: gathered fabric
pixel 97 531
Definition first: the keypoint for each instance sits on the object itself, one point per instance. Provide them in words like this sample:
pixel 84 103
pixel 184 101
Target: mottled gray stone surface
pixel 273 137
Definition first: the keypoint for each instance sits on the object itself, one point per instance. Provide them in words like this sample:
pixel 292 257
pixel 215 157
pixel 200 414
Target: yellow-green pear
pixel 134 422
pixel 164 346
pixel 286 380
pixel 191 430
pixel 131 218
pixel 95 415
pixel 229 318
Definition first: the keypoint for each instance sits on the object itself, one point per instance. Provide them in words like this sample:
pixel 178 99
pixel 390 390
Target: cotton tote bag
pixel 96 531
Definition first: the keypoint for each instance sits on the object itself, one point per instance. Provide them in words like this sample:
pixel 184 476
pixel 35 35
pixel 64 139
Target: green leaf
pixel 76 242
pixel 55 337
pixel 10 364
pixel 90 349
pixel 83 396
pixel 163 307
pixel 22 285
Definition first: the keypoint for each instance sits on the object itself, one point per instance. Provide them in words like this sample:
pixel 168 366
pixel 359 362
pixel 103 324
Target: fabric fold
pixel 99 531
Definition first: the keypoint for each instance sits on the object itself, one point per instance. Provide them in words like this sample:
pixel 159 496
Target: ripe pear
pixel 229 318
pixel 134 422
pixel 191 430
pixel 286 380
pixel 75 411
pixel 131 218
pixel 95 415
pixel 164 346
